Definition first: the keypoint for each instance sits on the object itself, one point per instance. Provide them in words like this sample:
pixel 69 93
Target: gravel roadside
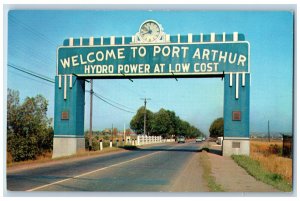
pixel 190 179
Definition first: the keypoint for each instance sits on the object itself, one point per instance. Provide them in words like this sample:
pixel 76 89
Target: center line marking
pixel 87 173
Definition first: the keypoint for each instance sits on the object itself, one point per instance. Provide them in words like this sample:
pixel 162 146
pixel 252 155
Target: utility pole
pixel 124 132
pixel 269 130
pixel 91 115
pixel 112 132
pixel 145 111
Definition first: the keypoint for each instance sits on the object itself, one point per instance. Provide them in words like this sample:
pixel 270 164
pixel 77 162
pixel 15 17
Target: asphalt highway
pixel 148 169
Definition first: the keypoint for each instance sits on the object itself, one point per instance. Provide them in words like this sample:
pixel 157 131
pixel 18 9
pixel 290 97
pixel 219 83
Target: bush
pixel 23 148
pixel 95 145
pixel 105 144
pixel 275 149
pixel 95 142
pixel 271 149
pixel 275 177
pixel 29 131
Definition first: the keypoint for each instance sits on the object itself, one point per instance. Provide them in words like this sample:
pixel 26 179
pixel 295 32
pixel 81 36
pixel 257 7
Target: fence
pixel 144 139
pixel 135 141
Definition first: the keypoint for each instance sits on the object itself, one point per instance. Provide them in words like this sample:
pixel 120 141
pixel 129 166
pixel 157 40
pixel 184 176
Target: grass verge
pixel 211 182
pixel 254 169
pixel 269 155
pixel 48 157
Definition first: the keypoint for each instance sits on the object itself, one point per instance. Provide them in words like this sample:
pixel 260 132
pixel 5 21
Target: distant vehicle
pixel 199 139
pixel 181 139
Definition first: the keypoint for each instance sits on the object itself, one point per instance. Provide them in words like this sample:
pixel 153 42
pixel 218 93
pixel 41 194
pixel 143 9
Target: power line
pixel 115 102
pixel 34 61
pixel 34 34
pixel 132 91
pixel 31 73
pixel 52 81
pixel 106 101
pixel 30 29
pixel 111 103
pixel 26 76
pixel 34 52
pixel 21 45
pixel 38 35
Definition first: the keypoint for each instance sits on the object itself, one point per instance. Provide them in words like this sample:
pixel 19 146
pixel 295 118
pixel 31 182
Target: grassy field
pixel 266 164
pixel 255 169
pixel 263 152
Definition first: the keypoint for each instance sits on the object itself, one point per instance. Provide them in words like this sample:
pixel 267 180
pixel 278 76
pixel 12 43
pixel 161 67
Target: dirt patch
pixel 190 179
pixel 212 185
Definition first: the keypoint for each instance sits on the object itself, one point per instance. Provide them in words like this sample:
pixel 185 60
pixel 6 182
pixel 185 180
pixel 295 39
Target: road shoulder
pixel 234 178
pixel 190 179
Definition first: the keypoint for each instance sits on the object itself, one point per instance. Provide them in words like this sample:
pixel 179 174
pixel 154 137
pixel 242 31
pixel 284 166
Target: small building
pixel 287 146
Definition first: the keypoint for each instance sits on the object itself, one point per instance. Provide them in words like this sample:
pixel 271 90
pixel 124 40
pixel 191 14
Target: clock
pixel 150 31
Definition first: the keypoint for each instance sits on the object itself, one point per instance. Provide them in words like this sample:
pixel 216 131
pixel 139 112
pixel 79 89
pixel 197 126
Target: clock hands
pixel 149 31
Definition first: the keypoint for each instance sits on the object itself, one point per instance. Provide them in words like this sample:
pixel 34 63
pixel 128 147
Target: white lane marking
pixel 87 173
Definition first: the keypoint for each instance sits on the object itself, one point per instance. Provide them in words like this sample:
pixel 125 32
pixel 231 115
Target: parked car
pixel 181 139
pixel 199 139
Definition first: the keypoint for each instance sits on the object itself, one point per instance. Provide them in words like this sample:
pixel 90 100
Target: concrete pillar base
pixel 66 146
pixel 237 146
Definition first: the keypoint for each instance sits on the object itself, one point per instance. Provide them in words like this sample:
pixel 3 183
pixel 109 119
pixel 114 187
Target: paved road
pixel 149 169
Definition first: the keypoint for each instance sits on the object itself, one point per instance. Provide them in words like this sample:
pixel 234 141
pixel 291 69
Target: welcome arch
pixel 151 53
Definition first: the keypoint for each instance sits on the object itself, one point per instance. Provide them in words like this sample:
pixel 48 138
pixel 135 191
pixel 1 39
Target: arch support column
pixel 236 114
pixel 68 116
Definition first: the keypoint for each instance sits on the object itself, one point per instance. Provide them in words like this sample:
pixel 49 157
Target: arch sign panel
pixel 151 53
pixel 144 60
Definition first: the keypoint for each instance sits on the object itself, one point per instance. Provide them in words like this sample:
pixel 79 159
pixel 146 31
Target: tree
pixel 29 131
pixel 217 128
pixel 183 128
pixel 165 123
pixel 12 110
pixel 187 130
pixel 137 122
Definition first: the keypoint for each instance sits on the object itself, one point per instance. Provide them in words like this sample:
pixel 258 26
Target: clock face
pixel 150 31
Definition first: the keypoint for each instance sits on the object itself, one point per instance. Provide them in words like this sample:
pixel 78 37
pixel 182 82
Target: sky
pixel 33 37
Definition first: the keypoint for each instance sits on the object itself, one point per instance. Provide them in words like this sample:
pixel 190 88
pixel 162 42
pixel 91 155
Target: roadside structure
pixel 152 53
